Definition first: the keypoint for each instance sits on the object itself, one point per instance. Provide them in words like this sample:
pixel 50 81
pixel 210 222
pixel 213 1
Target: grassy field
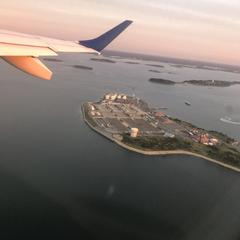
pixel 223 152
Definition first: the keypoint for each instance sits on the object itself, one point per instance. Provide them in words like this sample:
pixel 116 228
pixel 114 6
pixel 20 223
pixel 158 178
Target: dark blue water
pixel 61 180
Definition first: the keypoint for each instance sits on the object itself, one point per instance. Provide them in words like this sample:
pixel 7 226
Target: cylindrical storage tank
pixel 134 132
pixel 114 97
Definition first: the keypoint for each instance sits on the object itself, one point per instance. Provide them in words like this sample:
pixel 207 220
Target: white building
pixel 107 97
pixel 113 97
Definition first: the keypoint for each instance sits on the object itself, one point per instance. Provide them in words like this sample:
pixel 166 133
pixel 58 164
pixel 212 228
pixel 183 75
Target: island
pixel 154 71
pixel 132 124
pixel 103 60
pixel 82 67
pixel 208 83
pixel 133 63
pixel 212 83
pixel 52 60
pixel 162 81
pixel 155 65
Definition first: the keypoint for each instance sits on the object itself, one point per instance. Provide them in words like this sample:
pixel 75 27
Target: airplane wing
pixel 22 50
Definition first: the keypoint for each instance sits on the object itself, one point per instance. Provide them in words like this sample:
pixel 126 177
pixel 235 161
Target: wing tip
pixel 105 39
pixel 129 21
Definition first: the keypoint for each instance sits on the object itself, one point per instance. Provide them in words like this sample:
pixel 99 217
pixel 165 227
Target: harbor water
pixel 62 180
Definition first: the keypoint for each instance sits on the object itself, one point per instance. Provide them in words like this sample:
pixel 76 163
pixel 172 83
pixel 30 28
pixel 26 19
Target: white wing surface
pixel 22 50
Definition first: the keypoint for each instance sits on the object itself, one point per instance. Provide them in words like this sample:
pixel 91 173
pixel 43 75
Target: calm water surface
pixel 61 180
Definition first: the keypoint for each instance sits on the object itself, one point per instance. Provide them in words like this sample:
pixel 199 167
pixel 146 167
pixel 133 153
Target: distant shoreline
pixel 180 62
pixel 155 153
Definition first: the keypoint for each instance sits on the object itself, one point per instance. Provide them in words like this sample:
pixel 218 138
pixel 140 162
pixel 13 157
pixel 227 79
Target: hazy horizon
pixel 159 58
pixel 205 30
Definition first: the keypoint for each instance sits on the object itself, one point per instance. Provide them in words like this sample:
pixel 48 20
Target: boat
pixel 188 103
pixel 229 120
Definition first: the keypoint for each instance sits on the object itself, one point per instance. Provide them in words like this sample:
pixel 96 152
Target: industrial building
pixel 117 113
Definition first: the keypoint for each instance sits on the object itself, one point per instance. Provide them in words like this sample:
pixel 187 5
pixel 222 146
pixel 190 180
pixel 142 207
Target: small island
pixel 155 65
pixel 133 63
pixel 162 81
pixel 103 60
pixel 154 71
pixel 132 124
pixel 207 83
pixel 82 67
pixel 52 60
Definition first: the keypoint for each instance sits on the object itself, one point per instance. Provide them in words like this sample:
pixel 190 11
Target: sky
pixel 193 29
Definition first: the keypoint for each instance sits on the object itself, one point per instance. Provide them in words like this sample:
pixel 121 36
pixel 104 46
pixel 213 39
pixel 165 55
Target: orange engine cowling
pixel 31 65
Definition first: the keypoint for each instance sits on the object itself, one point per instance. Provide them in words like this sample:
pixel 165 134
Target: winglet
pixel 104 40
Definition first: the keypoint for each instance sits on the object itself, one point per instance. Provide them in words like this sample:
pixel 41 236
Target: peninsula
pixel 132 124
